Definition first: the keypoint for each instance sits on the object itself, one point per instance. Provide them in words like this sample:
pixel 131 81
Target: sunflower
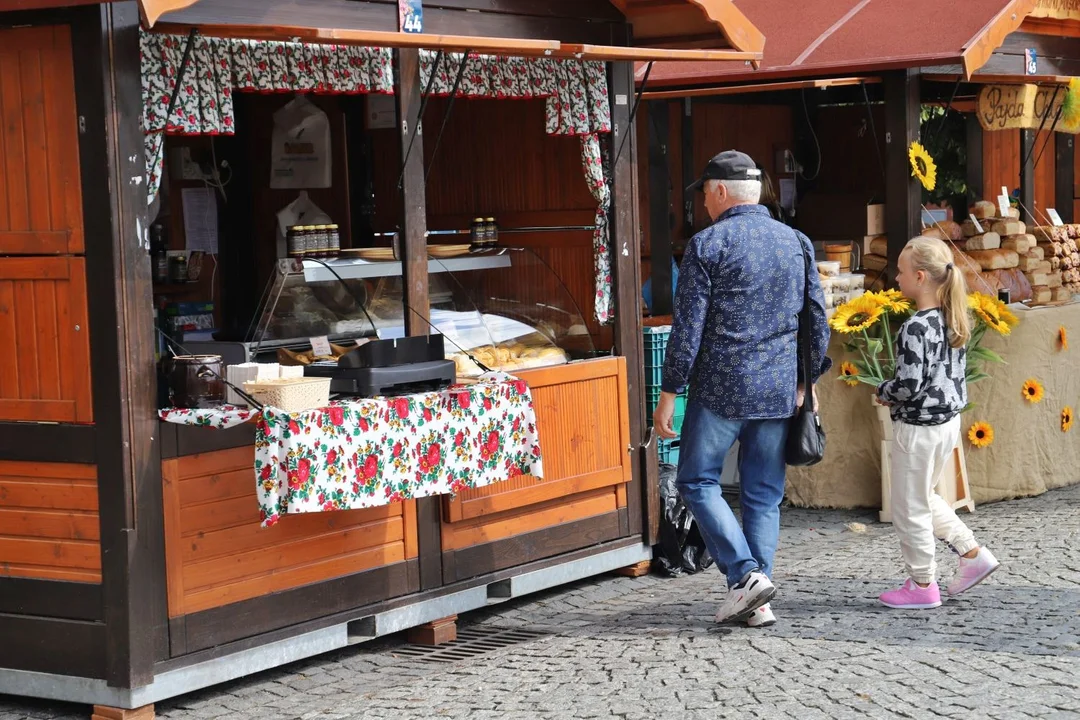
pixel 1070 106
pixel 1033 391
pixel 993 312
pixel 893 301
pixel 1063 338
pixel 922 166
pixel 848 371
pixel 1066 419
pixel 856 315
pixel 981 434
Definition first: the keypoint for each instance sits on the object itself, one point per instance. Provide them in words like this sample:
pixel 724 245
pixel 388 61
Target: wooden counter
pixel 229 578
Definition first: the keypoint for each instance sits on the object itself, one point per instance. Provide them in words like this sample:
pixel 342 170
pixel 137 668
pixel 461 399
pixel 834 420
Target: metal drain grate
pixel 470 643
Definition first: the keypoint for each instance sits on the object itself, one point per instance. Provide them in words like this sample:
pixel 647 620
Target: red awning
pixel 827 37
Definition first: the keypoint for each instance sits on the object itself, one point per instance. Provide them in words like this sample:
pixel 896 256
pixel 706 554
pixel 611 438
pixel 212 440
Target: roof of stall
pixel 828 37
pixel 662 29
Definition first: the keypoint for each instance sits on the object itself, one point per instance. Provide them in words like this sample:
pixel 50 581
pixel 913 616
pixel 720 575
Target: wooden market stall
pixel 832 112
pixel 135 564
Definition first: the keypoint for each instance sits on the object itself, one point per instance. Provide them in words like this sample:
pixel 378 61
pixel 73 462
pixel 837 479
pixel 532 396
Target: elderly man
pixel 734 343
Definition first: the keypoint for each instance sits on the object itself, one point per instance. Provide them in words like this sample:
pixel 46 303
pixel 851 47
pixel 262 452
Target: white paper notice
pixel 321 347
pixel 200 220
pixel 1054 217
pixel 978 225
pixel 1003 205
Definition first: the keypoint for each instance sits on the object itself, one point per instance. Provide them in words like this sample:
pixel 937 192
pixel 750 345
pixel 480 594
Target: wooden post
pixel 146 712
pixel 903 193
pixel 689 172
pixel 659 207
pixel 412 242
pixel 1027 176
pixel 626 252
pixel 437 632
pixel 1064 175
pixel 123 342
pixel 975 181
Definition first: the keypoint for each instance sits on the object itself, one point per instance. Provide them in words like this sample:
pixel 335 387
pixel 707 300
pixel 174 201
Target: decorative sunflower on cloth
pixel 849 373
pixel 1066 419
pixel 981 434
pixel 1063 338
pixel 922 166
pixel 1033 391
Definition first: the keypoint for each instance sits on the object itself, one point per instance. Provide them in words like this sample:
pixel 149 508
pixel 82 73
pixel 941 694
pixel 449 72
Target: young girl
pixel 926 397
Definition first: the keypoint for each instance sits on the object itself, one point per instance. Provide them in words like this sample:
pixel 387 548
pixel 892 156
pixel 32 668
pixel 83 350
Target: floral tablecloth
pixel 370 452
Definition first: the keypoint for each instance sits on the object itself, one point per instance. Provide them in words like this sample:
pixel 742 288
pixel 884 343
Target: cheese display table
pixel 1030 452
pixel 366 453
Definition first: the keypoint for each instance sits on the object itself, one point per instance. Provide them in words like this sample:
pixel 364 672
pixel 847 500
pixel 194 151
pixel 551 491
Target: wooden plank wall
pixel 49 526
pixel 586 466
pixel 496 160
pixel 1001 166
pixel 217 553
pixel 45 374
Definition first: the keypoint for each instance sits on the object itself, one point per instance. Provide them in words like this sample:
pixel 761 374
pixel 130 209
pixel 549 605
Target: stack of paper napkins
pixel 248 372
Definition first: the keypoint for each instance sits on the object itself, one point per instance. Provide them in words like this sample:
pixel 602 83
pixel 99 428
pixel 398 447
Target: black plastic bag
pixel 681 550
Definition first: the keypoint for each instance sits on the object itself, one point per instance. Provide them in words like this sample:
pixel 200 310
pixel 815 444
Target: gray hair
pixel 742 191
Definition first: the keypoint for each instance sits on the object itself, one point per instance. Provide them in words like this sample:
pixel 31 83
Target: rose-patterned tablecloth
pixel 366 453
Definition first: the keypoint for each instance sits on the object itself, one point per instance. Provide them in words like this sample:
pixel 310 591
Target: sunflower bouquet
pixel 872 321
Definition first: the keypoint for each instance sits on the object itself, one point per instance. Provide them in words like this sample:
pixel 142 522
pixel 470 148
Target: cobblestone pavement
pixel 647 648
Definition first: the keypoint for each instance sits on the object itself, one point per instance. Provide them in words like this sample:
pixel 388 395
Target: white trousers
pixel 919 454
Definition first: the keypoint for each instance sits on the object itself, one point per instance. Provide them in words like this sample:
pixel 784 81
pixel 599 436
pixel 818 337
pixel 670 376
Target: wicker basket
pixel 291 394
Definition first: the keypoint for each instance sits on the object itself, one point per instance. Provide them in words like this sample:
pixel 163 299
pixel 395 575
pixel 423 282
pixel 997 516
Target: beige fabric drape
pixel 1030 453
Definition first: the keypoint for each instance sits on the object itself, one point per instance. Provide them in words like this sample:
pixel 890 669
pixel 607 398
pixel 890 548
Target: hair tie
pixel 949 266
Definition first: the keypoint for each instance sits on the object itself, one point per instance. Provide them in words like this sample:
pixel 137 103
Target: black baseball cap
pixel 728 165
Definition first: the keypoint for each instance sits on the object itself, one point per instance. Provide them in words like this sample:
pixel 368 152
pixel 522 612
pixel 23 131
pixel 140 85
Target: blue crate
pixel 668 451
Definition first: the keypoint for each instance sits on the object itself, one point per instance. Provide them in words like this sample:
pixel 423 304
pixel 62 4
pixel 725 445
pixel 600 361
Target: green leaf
pixel 987 355
pixel 975 376
pixel 967 407
pixel 874 345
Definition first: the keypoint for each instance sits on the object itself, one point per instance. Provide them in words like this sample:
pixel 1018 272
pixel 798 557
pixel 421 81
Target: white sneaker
pixel 746 597
pixel 973 571
pixel 762 617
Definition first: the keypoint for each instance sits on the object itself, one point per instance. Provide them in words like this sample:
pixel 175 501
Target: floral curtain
pixel 575 91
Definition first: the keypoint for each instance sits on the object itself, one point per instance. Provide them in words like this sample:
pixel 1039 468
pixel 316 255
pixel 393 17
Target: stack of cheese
pixel 875 260
pixel 1060 265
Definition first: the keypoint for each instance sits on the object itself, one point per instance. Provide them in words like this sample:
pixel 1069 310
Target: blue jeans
pixel 706 440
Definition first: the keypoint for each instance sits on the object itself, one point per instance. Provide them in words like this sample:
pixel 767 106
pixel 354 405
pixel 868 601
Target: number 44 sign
pixel 411 16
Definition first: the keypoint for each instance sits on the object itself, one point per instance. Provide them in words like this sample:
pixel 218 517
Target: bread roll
pixel 1030 263
pixel 986 241
pixel 1038 278
pixel 986 283
pixel 984 209
pixel 1009 227
pixel 969 229
pixel 1062 294
pixel 1040 295
pixel 879 246
pixel 952 229
pixel 995 259
pixel 1020 243
pixel 1054 280
pixel 877 263
pixel 1014 213
pixel 935 232
pixel 1014 281
pixel 1037 252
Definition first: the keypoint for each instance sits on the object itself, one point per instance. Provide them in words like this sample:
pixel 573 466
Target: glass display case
pixel 501 310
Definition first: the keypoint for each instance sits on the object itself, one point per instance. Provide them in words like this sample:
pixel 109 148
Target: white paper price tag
pixel 1054 217
pixel 361 342
pixel 978 226
pixel 1004 191
pixel 321 347
pixel 1003 205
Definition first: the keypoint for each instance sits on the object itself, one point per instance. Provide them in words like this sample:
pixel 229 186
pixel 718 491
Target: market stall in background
pixel 401 370
pixel 833 118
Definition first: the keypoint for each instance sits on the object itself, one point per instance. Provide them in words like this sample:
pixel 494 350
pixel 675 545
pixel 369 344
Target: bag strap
pixel 804 335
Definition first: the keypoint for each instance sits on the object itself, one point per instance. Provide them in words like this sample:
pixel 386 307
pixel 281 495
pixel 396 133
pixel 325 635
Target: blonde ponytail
pixel 933 257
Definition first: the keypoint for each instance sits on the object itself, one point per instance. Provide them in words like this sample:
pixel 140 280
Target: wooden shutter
pixel 40 190
pixel 45 369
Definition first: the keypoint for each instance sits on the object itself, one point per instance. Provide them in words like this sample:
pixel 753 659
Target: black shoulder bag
pixel 806 438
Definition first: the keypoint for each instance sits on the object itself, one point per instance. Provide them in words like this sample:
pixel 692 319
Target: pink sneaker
pixel 910 596
pixel 974 571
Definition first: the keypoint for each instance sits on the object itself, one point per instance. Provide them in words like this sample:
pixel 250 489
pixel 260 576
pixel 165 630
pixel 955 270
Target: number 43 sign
pixel 411 16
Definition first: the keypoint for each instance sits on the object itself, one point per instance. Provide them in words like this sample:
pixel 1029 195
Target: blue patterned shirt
pixel 735 334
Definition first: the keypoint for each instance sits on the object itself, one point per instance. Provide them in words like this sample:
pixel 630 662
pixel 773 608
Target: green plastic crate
pixel 669 452
pixel 656 341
